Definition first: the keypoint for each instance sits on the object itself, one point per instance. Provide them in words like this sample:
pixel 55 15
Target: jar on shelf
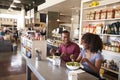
pixel 117 48
pixel 117 12
pixel 110 48
pixel 84 29
pixel 103 14
pixel 112 43
pixel 92 15
pixel 88 16
pixel 87 28
pixel 107 47
pixel 92 29
pixel 110 13
pixel 97 15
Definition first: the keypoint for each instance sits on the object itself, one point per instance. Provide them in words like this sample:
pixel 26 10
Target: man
pixel 67 49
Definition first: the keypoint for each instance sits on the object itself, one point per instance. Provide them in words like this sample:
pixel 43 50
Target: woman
pixel 90 57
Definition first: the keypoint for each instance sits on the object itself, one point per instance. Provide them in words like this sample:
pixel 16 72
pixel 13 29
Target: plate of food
pixel 73 65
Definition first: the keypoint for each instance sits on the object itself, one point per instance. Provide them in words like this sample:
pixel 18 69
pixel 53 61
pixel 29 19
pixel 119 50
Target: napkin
pixel 73 75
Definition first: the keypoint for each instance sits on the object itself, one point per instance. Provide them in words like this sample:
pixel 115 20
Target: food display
pixel 73 65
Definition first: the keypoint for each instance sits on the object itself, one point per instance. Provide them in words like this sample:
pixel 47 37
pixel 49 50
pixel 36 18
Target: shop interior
pixel 29 27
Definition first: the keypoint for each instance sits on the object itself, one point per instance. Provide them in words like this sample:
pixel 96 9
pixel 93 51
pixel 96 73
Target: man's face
pixel 65 38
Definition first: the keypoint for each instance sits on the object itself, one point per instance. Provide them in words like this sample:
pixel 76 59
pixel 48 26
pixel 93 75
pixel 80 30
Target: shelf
pixel 103 5
pixel 110 77
pixel 99 20
pixel 109 35
pixel 110 52
pixel 110 70
pixel 113 35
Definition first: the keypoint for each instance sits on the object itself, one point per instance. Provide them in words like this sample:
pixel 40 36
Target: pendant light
pixel 16 1
pixel 72 16
pixel 58 19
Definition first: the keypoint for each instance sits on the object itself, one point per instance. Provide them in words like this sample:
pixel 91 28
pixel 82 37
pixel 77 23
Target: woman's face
pixel 85 45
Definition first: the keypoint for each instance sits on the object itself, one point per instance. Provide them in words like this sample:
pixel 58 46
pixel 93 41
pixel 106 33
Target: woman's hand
pixel 84 60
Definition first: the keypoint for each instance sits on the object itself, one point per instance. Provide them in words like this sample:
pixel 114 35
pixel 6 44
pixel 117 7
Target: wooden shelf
pixel 110 70
pixel 99 20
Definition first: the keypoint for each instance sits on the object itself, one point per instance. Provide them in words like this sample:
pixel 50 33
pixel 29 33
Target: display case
pixel 102 17
pixel 28 47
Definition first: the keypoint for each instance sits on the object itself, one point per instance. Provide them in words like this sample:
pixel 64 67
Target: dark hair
pixel 94 42
pixel 65 31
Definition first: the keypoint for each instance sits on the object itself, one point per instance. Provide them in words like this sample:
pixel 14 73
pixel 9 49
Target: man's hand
pixel 63 54
pixel 52 51
pixel 72 57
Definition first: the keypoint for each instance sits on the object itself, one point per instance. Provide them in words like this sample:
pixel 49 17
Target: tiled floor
pixel 13 66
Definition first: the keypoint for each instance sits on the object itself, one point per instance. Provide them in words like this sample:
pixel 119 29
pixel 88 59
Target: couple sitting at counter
pixel 90 57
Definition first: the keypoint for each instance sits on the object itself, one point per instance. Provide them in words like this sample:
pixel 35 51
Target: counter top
pixel 45 70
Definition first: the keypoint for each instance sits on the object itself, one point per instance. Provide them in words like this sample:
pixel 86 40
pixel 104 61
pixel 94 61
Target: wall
pixel 51 23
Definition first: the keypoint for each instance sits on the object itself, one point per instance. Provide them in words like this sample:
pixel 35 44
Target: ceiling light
pixel 16 1
pixel 58 20
pixel 72 19
pixel 114 7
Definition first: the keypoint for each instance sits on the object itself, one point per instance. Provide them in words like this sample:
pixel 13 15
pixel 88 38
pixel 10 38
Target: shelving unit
pixel 8 21
pixel 88 17
pixel 110 70
pixel 29 46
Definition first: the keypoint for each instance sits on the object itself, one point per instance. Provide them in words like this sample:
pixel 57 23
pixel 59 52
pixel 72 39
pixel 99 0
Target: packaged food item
pixel 92 15
pixel 97 15
pixel 84 29
pixel 92 29
pixel 88 28
pixel 99 27
pixel 117 13
pixel 88 16
pixel 110 13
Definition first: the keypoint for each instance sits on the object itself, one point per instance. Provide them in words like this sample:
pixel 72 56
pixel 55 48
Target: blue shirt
pixel 96 56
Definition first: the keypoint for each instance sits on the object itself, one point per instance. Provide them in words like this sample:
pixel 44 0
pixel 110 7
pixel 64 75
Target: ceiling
pixel 28 4
pixel 68 7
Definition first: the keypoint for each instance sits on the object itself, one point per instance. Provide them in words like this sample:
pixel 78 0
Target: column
pixel 21 20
